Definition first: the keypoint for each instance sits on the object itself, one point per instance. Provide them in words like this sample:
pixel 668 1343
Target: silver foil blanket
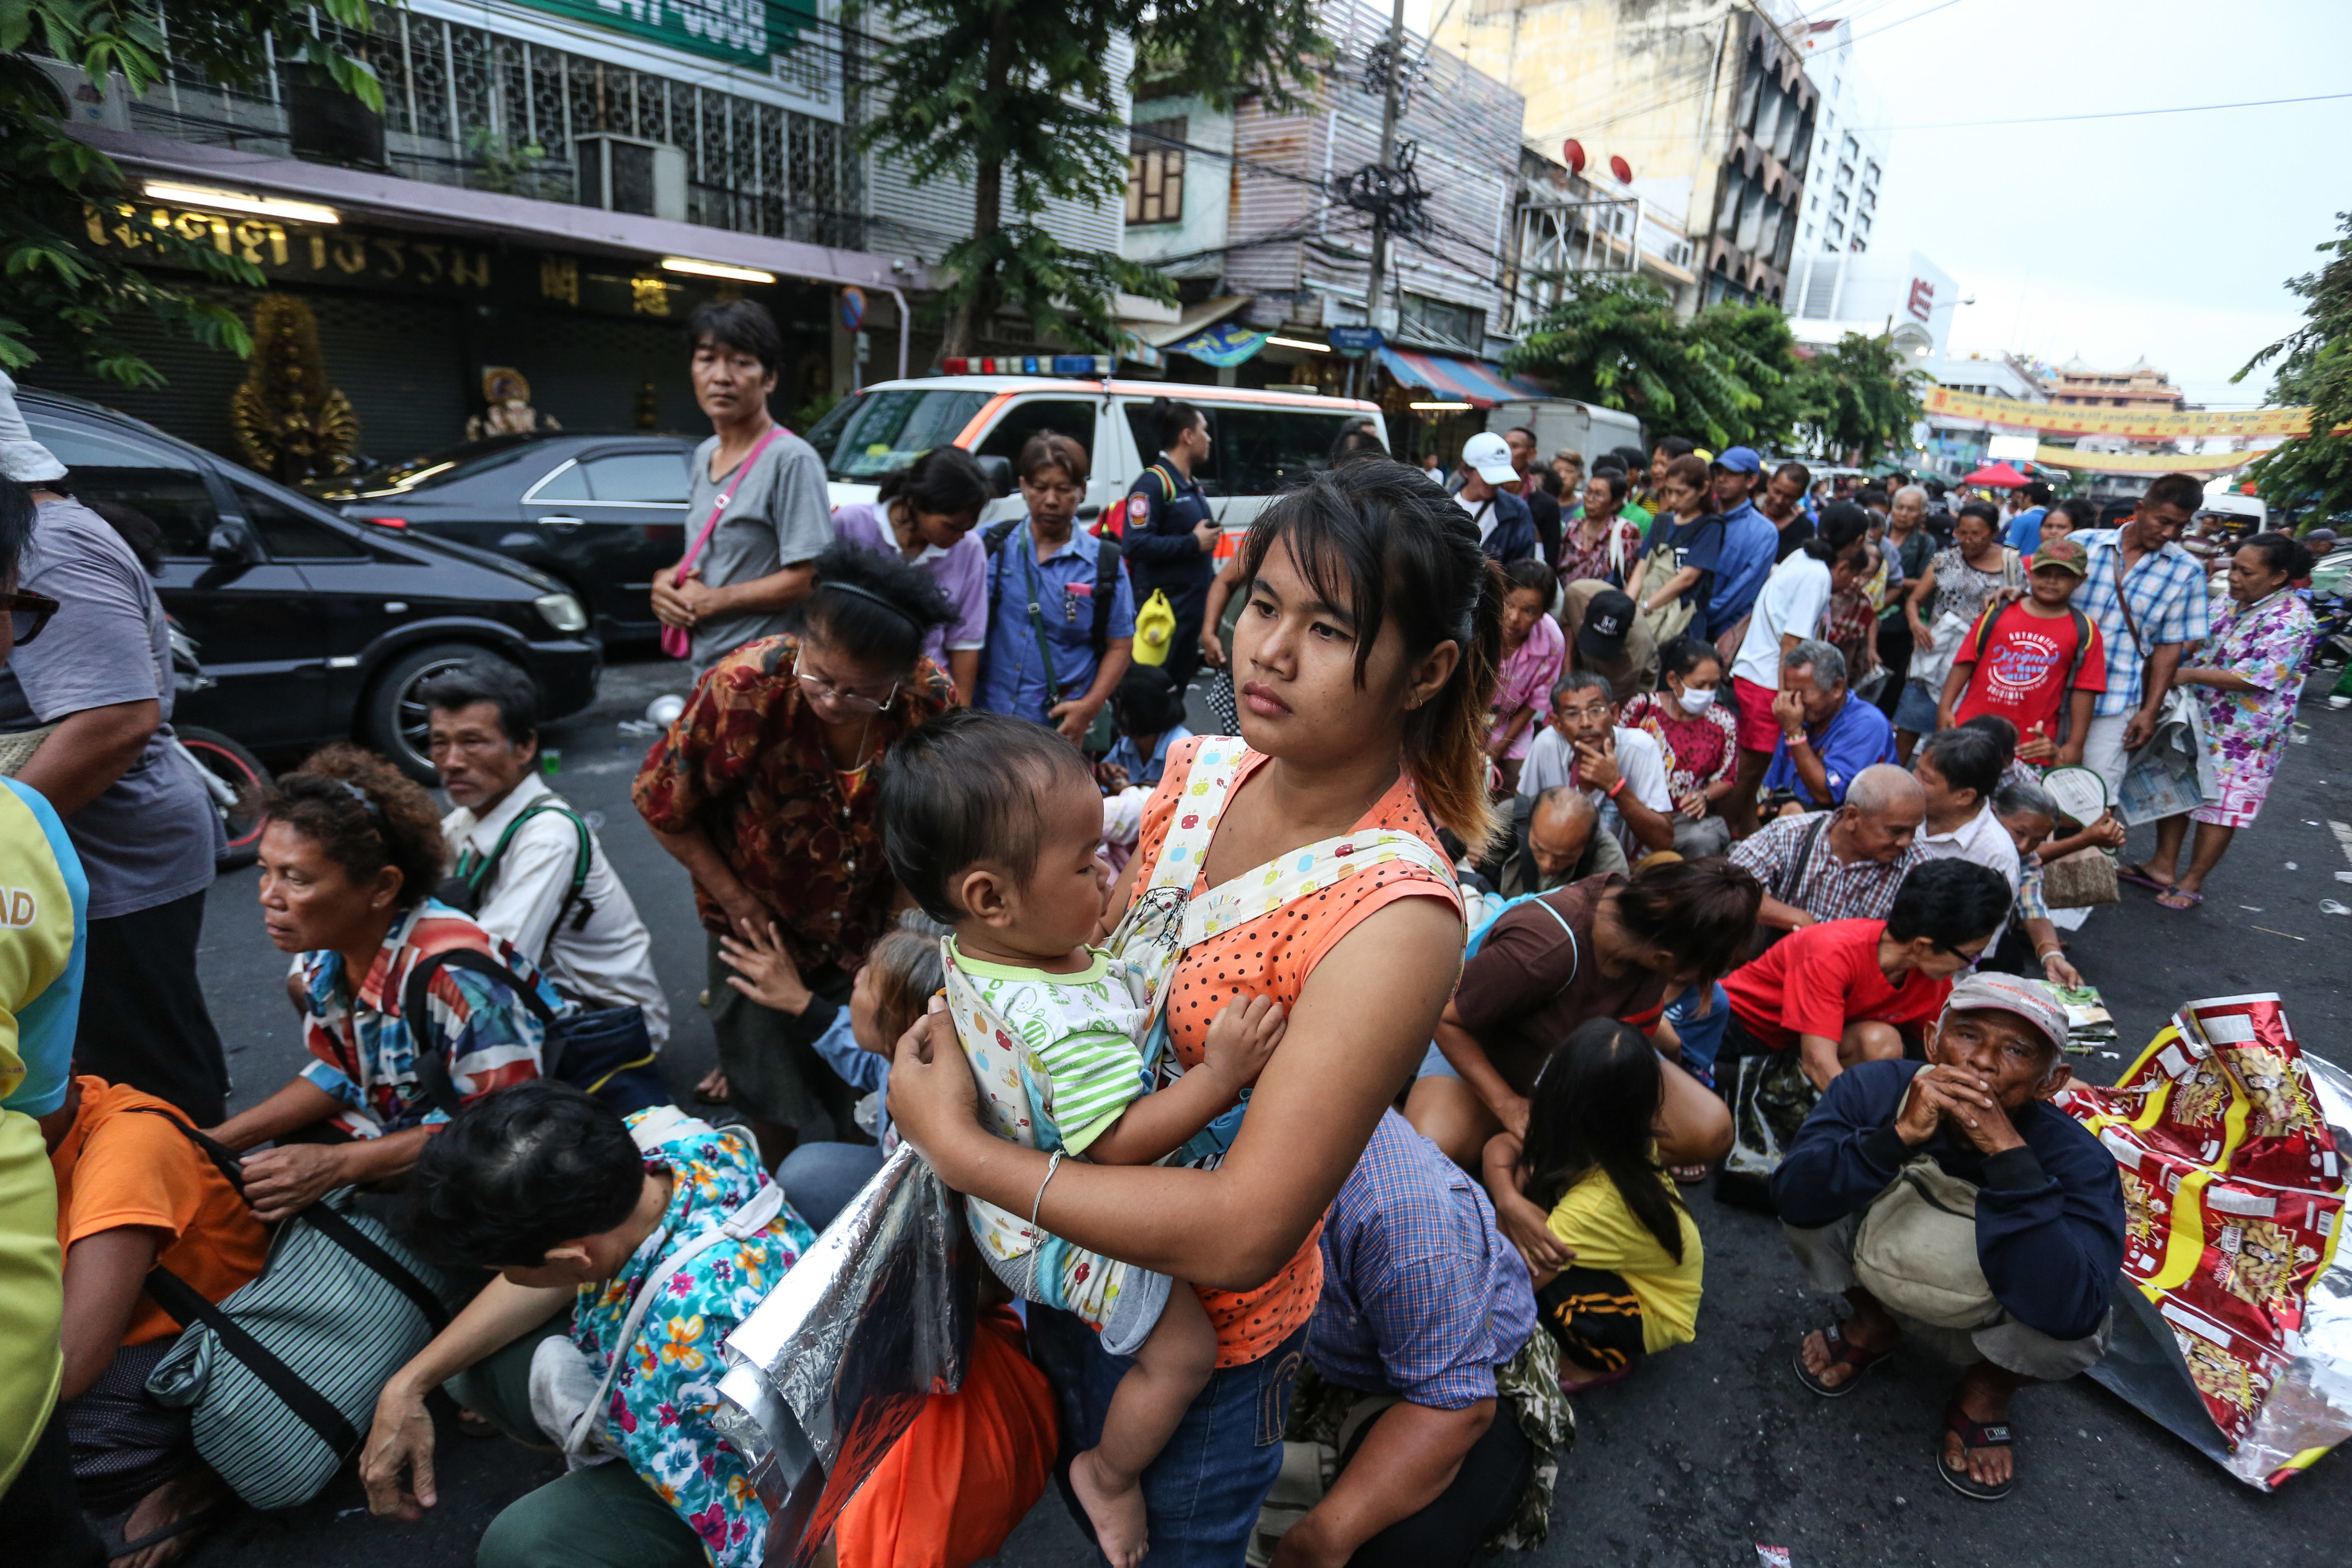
pixel 835 1364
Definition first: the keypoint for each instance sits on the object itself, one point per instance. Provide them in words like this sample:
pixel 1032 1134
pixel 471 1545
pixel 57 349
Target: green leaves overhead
pixel 1732 375
pixel 2315 367
pixel 51 275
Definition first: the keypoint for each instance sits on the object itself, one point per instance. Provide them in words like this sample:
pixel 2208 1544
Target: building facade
pixel 1850 141
pixel 1705 102
pixel 1900 293
pixel 2138 385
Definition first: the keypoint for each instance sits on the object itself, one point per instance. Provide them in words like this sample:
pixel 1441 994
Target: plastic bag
pixel 835 1364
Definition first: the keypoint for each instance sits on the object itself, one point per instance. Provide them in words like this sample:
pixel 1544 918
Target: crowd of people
pixel 1557 836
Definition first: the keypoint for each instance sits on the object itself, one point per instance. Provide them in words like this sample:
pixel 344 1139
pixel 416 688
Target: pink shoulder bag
pixel 676 641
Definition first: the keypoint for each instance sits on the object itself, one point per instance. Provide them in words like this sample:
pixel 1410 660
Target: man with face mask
pixel 1954 1206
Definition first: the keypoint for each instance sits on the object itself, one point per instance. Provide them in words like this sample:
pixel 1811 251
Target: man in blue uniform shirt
pixel 1170 534
pixel 1749 539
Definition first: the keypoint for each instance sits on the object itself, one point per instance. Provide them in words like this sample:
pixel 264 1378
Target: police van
pixel 1262 442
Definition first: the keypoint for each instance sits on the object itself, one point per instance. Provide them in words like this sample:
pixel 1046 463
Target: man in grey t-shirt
pixel 756 564
pixel 131 800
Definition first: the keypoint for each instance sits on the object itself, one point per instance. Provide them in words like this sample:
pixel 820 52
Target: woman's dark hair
pixel 2284 552
pixel 519 1172
pixel 906 970
pixel 1171 417
pixel 1873 496
pixel 876 608
pixel 1052 450
pixel 1674 446
pixel 966 787
pixel 1984 511
pixel 1549 478
pixel 1356 439
pixel 365 814
pixel 1842 527
pixel 1969 759
pixel 492 680
pixel 1684 655
pixel 1593 1108
pixel 2080 511
pixel 944 482
pixel 740 325
pixel 2003 733
pixel 1633 459
pixel 1691 470
pixel 1700 910
pixel 1949 902
pixel 17 514
pixel 1382 540
pixel 1146 702
pixel 1531 573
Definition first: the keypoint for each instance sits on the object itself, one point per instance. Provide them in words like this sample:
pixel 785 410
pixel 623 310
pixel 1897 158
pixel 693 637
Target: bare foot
pixel 1115 1507
pixel 712 1090
pixel 194 1490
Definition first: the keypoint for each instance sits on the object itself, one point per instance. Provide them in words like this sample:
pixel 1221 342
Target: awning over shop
pixel 1468 381
pixel 1189 322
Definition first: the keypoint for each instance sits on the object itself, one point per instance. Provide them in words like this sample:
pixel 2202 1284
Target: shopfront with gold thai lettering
pixel 410 321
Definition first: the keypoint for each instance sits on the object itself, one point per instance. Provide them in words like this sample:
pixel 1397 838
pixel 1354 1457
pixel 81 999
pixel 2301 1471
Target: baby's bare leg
pixel 1171 1368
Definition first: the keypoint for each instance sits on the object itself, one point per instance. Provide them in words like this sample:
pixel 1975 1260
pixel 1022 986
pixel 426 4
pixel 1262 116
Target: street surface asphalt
pixel 1709 1450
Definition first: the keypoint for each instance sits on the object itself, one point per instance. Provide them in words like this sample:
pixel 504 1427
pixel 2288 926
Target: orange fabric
pixel 117 1167
pixel 1273 956
pixel 974 1462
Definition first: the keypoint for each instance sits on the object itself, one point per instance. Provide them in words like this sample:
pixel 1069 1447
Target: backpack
pixel 1106 576
pixel 280 1378
pixel 462 891
pixel 1982 638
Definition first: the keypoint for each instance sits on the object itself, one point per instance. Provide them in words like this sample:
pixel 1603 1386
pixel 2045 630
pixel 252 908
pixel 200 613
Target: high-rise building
pixel 1847 168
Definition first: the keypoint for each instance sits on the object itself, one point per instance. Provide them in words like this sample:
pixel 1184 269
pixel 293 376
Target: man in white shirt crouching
pixel 1623 772
pixel 523 863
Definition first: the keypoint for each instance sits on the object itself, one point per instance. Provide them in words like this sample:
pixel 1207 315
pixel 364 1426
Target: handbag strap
pixel 2122 602
pixel 757 1213
pixel 717 507
pixel 432 1071
pixel 188 1304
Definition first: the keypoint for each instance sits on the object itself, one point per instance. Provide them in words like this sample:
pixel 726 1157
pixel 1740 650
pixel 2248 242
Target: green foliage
pixel 52 187
pixel 2314 368
pixel 1730 376
pixel 1014 97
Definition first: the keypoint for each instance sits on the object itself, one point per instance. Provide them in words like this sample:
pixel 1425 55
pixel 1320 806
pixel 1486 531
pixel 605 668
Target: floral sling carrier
pixel 1164 919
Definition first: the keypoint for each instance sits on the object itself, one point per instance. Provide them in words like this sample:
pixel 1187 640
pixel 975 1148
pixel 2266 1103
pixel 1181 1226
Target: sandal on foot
pixel 1843 1350
pixel 188 1523
pixel 1974 1435
pixel 2138 875
pixel 2178 898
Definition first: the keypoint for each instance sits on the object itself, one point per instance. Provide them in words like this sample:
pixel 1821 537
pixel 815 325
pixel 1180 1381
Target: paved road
pixel 1710 1448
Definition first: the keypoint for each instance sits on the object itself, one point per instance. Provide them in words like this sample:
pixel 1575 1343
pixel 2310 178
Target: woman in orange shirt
pixel 1302 865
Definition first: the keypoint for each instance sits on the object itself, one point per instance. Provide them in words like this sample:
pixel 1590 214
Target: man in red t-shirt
pixel 1848 991
pixel 2039 663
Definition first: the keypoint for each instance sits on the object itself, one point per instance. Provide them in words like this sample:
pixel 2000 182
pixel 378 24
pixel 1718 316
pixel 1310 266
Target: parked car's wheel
pixel 242 772
pixel 393 718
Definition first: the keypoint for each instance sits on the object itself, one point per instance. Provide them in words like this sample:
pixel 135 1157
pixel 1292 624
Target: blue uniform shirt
pixel 1856 736
pixel 1162 510
pixel 1013 673
pixel 2025 530
pixel 1751 548
pixel 1141 770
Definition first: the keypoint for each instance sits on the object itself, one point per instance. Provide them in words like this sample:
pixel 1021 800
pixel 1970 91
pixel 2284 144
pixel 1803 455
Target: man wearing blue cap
pixel 1750 540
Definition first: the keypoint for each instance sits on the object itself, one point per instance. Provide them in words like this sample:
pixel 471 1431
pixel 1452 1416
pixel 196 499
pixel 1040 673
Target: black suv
pixel 316 627
pixel 603 513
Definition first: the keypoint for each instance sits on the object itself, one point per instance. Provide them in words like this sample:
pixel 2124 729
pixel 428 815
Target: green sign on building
pixel 742 32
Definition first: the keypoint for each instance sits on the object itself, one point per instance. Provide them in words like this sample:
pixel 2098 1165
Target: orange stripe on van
pixel 968 436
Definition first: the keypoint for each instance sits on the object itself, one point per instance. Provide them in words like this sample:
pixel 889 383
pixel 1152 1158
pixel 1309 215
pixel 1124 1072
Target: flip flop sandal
pixel 2139 876
pixel 1843 1350
pixel 1974 1435
pixel 2177 892
pixel 203 1517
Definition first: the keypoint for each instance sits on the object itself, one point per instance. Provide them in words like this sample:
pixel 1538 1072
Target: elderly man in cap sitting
pixel 1953 1204
pixel 1606 636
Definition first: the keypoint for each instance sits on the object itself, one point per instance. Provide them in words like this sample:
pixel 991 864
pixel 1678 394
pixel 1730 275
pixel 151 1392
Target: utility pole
pixel 1388 162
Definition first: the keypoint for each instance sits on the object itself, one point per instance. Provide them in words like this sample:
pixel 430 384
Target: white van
pixel 1263 442
pixel 1564 425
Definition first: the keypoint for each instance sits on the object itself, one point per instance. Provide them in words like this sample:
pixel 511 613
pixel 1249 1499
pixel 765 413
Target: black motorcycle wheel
pixel 224 759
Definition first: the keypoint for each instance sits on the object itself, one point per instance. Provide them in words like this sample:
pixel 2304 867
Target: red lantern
pixel 1572 151
pixel 1622 169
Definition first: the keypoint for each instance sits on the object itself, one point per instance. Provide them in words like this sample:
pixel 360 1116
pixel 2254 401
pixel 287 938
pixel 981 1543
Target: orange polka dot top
pixel 1273 956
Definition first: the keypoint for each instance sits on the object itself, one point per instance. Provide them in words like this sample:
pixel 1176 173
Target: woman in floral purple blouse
pixel 2247 682
pixel 1533 649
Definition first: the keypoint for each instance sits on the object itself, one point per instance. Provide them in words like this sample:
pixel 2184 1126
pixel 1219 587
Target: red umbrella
pixel 2000 475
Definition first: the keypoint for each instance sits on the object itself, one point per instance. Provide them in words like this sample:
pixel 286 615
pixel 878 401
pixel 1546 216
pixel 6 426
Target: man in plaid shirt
pixel 1840 865
pixel 2148 597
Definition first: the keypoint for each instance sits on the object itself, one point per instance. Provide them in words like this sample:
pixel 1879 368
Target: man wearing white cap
pixel 1506 529
pixel 1954 1206
pixel 99 682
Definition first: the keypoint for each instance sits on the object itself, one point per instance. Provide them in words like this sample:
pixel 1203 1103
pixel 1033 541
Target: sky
pixel 2167 235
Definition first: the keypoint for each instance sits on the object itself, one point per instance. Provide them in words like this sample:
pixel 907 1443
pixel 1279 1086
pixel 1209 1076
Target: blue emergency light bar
pixel 1031 364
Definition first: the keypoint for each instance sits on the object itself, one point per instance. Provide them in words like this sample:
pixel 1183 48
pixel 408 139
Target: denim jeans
pixel 1202 1494
pixel 821 1178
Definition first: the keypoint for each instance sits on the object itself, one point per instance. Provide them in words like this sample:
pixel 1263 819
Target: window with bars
pixel 1155 171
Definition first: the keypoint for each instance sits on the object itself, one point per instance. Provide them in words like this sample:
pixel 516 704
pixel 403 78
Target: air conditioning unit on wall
pixel 88 102
pixel 627 174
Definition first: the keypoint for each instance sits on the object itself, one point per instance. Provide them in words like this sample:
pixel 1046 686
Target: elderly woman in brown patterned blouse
pixel 762 790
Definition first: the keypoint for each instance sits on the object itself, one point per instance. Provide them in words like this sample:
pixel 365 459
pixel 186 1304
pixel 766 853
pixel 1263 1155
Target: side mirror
pixel 232 544
pixel 1000 474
